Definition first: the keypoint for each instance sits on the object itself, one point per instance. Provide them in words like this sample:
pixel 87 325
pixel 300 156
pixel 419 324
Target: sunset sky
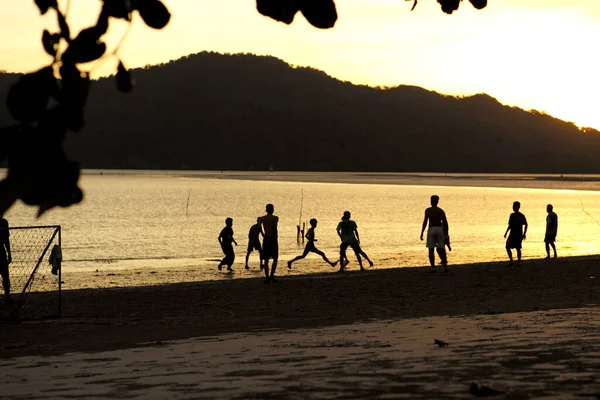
pixel 535 54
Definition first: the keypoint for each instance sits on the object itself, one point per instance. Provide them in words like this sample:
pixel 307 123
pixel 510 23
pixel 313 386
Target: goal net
pixel 35 282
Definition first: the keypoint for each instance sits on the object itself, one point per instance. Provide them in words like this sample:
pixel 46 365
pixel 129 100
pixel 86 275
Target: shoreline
pixel 108 319
pixel 501 180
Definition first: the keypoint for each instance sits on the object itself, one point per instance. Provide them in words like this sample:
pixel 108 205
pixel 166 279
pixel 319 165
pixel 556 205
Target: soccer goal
pixel 35 273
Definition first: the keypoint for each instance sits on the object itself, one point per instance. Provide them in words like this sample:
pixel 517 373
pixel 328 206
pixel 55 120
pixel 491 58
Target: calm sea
pixel 155 220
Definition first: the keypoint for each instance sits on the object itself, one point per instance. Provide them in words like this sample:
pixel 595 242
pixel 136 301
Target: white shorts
pixel 435 237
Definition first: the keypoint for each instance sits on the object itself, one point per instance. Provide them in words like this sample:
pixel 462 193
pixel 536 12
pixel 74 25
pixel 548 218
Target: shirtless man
pixel 436 234
pixel 268 226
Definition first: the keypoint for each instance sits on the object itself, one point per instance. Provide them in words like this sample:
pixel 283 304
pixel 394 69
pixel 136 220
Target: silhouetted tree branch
pixel 50 102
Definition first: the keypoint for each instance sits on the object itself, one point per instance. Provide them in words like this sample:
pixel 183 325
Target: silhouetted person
pixel 437 232
pixel 268 226
pixel 551 230
pixel 5 259
pixel 347 230
pixel 226 240
pixel 310 246
pixel 517 233
pixel 254 243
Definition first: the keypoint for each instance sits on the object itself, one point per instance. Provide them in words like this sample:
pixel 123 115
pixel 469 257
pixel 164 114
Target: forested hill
pixel 239 112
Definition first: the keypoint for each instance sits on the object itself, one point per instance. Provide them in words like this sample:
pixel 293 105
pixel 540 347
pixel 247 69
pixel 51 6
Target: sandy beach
pixel 527 331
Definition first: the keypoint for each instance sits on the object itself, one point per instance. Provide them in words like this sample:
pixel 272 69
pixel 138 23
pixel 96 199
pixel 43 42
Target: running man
pixel 551 231
pixel 517 234
pixel 437 232
pixel 310 246
pixel 5 259
pixel 254 243
pixel 225 240
pixel 347 230
pixel 268 226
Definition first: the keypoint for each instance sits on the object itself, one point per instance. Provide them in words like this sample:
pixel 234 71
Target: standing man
pixel 517 234
pixel 254 243
pixel 551 230
pixel 268 226
pixel 5 259
pixel 347 230
pixel 226 241
pixel 436 234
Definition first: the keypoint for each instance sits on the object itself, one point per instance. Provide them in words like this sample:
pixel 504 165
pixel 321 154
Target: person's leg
pixel 358 257
pixel 5 283
pixel 442 253
pixel 362 253
pixel 553 248
pixel 547 250
pixel 274 265
pixel 230 259
pixel 248 255
pixel 518 256
pixel 323 256
pixel 343 261
pixel 431 257
pixel 300 257
pixel 266 266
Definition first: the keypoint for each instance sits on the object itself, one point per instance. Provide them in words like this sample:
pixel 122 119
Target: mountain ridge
pixel 210 111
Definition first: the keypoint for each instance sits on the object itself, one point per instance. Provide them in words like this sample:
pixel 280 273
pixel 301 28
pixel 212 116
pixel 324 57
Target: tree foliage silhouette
pixel 50 102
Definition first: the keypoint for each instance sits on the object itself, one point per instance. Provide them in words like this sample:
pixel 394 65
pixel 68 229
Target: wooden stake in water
pixel 187 206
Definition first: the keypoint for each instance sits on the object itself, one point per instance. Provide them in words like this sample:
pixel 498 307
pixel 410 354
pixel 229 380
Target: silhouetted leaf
pixel 320 13
pixel 124 80
pixel 153 12
pixel 28 98
pixel 50 42
pixel 118 9
pixel 45 5
pixel 280 10
pixel 102 23
pixel 65 32
pixel 449 6
pixel 73 95
pixel 478 4
pixel 414 5
pixel 85 47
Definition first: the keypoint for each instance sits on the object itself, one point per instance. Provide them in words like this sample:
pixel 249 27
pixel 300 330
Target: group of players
pixel 437 239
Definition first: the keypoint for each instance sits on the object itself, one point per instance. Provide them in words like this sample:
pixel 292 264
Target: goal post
pixel 35 282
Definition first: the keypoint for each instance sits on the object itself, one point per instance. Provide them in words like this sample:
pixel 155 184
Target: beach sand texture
pixel 530 332
pixel 551 355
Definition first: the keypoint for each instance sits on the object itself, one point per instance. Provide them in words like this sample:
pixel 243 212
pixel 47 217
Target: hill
pixel 237 112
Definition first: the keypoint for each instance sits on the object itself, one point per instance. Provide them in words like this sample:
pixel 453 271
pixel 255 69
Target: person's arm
pixel 275 226
pixel 507 228
pixel 233 240
pixel 445 221
pixel 424 224
pixel 339 231
pixel 356 233
pixel 220 238
pixel 525 231
pixel 8 253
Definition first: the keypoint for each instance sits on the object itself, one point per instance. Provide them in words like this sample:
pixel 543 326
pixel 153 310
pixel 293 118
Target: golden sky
pixel 535 54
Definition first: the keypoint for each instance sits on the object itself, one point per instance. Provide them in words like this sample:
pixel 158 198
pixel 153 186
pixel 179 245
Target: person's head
pixel 549 208
pixel 346 215
pixel 435 199
pixel 229 221
pixel 270 209
pixel 516 206
pixel 313 222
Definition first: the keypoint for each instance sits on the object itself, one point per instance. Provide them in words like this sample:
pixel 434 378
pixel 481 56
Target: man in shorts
pixel 516 222
pixel 226 241
pixel 5 259
pixel 347 230
pixel 268 226
pixel 254 243
pixel 551 230
pixel 436 234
